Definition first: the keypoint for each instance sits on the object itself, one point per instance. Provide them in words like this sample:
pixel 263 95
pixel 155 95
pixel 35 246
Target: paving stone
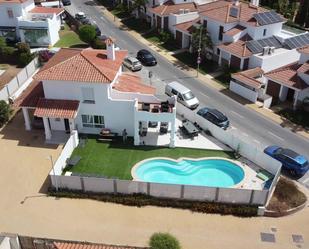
pixel 297 238
pixel 268 237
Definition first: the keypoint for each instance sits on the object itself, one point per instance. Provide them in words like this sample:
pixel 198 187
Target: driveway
pixel 24 210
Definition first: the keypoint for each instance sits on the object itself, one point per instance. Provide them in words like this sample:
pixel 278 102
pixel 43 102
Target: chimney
pixel 110 47
pixel 255 3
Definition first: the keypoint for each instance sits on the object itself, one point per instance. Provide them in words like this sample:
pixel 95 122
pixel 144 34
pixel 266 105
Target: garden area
pixel 189 59
pixel 69 39
pixel 115 159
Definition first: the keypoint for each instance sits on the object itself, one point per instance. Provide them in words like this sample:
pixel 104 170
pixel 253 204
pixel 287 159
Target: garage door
pixel 179 38
pixel 273 89
pixel 235 62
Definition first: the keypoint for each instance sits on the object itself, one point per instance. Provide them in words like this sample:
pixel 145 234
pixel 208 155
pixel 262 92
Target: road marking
pixel 237 114
pixel 205 95
pixel 256 141
pixel 275 136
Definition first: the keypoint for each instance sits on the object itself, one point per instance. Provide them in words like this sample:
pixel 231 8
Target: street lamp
pixel 199 51
pixel 53 169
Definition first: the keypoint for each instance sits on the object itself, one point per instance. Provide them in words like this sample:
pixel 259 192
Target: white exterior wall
pixel 57 125
pixel 228 38
pixel 305 77
pixel 118 114
pixel 257 32
pixel 243 91
pixel 274 61
pixel 303 94
pixel 180 18
pixel 54 26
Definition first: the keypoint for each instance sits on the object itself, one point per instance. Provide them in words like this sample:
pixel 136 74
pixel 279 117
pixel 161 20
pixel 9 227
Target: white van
pixel 184 95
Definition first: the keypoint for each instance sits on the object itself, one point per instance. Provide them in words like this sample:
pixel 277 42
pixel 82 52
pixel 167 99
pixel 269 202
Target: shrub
pixel 166 36
pixel 98 44
pixel 45 55
pixel 5 112
pixel 87 33
pixel 24 59
pixel 22 47
pixel 163 241
pixel 2 43
pixel 7 51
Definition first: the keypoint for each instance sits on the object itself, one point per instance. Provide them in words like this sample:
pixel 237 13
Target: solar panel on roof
pixel 297 41
pixel 257 46
pixel 265 18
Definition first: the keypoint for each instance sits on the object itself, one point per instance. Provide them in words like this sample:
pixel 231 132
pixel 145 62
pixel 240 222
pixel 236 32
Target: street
pixel 248 123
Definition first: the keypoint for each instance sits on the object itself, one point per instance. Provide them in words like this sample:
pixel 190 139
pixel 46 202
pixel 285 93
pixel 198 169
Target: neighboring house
pixel 288 83
pixel 86 90
pixel 37 26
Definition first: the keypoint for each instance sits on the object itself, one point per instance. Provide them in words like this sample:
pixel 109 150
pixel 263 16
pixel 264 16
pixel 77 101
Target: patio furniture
pixel 106 133
pixel 73 160
pixel 146 107
pixel 155 109
pixel 165 106
pixel 191 129
pixel 163 127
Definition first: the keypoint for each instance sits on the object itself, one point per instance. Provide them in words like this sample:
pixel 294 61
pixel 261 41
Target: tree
pixel 2 43
pixel 5 112
pixel 200 36
pixel 87 33
pixel 139 5
pixel 302 17
pixel 163 241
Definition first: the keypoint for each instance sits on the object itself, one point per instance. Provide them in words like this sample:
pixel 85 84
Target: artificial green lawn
pixel 68 38
pixel 114 159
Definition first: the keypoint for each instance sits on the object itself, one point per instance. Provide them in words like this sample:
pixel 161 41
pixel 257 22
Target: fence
pixel 15 87
pixel 176 191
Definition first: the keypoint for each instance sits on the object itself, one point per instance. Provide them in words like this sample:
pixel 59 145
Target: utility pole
pixel 199 51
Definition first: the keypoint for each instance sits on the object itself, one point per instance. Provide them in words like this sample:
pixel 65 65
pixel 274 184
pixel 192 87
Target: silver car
pixel 132 63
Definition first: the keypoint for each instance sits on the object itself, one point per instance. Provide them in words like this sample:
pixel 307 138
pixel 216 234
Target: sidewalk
pixel 208 79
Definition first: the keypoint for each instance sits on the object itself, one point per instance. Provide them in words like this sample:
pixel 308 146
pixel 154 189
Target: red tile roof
pixel 238 48
pixel 248 77
pixel 236 30
pixel 288 76
pixel 130 82
pixel 12 1
pixel 66 245
pixel 30 96
pixel 220 11
pixel 56 108
pixel 187 27
pixel 304 68
pixel 88 65
pixel 46 10
pixel 170 7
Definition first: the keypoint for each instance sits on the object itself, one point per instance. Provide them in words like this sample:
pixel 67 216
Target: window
pixel 264 32
pixel 57 119
pixel 174 92
pixel 10 13
pixel 221 33
pixel 218 51
pixel 93 121
pixel 88 95
pixel 205 24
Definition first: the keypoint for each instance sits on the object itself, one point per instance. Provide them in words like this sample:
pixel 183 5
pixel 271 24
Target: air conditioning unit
pixel 266 50
pixel 186 11
pixel 181 11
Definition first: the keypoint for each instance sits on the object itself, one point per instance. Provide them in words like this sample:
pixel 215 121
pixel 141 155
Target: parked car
pixel 145 57
pixel 132 63
pixel 214 116
pixel 66 2
pixel 291 160
pixel 85 21
pixel 184 95
pixel 97 30
pixel 80 16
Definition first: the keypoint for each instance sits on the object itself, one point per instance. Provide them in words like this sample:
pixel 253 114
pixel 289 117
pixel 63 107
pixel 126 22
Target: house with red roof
pixel 86 90
pixel 287 83
pixel 22 20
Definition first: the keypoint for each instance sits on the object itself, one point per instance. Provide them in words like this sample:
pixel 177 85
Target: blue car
pixel 292 161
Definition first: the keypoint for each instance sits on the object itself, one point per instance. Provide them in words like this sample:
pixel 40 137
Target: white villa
pixel 37 26
pixel 86 90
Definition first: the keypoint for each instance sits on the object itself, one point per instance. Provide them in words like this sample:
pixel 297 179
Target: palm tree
pixel 139 5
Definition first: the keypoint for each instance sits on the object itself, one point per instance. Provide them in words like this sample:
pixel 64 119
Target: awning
pixel 56 108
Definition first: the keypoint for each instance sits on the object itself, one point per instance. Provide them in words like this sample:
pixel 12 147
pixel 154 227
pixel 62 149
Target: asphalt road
pixel 248 123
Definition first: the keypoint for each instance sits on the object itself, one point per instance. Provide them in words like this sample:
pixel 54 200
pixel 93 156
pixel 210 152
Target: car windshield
pixel 135 63
pixel 278 151
pixel 188 96
pixel 148 56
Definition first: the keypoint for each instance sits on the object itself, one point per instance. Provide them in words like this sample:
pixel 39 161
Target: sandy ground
pixel 24 210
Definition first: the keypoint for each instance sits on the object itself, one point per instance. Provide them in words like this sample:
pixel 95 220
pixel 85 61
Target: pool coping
pixel 238 185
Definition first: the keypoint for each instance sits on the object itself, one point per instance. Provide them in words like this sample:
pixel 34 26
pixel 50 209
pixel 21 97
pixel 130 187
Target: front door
pixel 235 62
pixel 179 39
pixel 67 125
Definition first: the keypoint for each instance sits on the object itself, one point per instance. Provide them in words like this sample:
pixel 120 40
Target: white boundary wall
pixel 15 87
pixel 243 91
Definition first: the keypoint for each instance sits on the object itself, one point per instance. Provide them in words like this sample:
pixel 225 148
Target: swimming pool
pixel 211 172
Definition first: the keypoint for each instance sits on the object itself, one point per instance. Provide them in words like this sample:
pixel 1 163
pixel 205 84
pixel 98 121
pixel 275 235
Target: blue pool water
pixel 206 172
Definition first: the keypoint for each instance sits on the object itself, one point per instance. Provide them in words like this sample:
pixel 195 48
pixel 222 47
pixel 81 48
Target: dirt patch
pixel 10 72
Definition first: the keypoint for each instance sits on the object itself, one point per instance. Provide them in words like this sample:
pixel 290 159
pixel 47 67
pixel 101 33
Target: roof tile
pixel 170 7
pixel 46 10
pixel 64 245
